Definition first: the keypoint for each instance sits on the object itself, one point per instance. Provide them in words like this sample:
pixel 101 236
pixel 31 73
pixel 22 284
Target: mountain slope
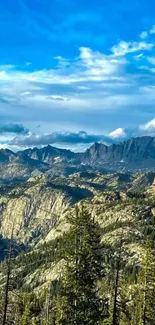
pixel 34 207
pixel 39 215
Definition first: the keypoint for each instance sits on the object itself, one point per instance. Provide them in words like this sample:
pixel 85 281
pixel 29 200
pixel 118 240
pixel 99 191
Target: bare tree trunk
pixel 115 317
pixel 7 281
pixel 47 306
pixel 144 300
pixel 115 310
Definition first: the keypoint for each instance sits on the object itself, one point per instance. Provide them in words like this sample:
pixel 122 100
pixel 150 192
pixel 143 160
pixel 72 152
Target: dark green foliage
pixel 78 300
pixel 145 295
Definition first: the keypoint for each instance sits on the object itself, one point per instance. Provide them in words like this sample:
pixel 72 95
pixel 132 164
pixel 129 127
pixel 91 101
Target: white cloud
pixel 97 65
pixel 149 127
pixel 62 63
pixel 144 35
pixel 118 134
pixel 89 66
pixel 86 54
pixel 93 67
pixel 123 47
pixel 138 131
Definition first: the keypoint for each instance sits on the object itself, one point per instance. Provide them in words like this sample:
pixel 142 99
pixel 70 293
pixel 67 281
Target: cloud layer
pixel 82 137
pixel 59 138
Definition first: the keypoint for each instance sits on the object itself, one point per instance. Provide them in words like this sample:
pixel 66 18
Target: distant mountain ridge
pixel 49 153
pixel 135 154
pixel 136 151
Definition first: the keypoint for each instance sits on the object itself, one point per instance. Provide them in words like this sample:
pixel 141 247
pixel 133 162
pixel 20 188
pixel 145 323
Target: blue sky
pixel 76 71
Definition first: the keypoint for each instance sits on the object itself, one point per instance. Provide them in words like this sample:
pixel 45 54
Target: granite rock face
pixel 133 154
pixel 33 208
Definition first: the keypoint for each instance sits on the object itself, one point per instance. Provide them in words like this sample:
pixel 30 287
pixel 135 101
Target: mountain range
pixel 136 154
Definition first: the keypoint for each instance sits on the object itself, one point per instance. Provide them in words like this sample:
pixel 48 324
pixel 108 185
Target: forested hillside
pixel 85 240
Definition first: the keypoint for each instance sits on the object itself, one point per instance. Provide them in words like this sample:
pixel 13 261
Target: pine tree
pixel 78 300
pixel 119 299
pixel 48 304
pixel 8 275
pixel 25 319
pixel 116 308
pixel 144 313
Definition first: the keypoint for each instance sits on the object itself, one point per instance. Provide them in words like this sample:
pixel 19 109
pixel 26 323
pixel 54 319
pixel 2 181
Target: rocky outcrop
pixel 33 208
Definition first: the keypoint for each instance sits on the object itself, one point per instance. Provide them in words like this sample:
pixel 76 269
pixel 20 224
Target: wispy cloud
pixel 123 47
pixel 88 66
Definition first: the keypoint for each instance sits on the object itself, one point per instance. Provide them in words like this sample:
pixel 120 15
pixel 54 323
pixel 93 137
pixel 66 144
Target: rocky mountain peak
pixel 136 154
